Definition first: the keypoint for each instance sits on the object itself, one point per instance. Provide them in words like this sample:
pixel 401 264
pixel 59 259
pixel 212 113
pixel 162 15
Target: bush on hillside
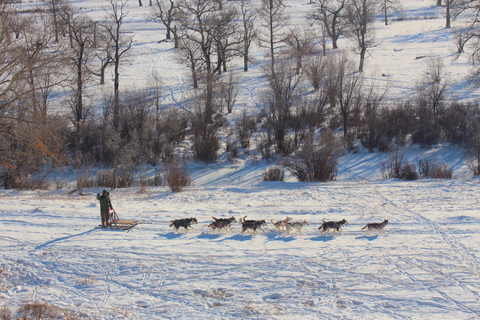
pixel 317 162
pixel 177 177
pixel 273 174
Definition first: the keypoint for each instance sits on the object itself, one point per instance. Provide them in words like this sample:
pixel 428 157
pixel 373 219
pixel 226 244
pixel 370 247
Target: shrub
pixel 317 163
pixel 84 180
pixel 232 150
pixel 120 177
pixel 274 174
pixel 395 167
pixel 245 128
pixel 16 178
pixel 408 172
pixel 430 169
pixel 177 177
pixel 5 313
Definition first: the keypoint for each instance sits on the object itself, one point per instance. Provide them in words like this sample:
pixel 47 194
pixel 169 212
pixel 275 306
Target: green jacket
pixel 105 203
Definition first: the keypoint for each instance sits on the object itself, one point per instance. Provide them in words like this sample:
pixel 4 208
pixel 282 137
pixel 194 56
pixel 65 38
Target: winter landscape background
pixel 425 266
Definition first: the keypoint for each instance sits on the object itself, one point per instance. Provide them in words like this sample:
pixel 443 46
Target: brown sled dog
pixel 376 226
pixel 281 224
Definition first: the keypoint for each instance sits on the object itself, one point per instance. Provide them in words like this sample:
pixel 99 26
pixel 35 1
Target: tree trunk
pixel 447 24
pixel 140 3
pixel 385 13
pixel 175 37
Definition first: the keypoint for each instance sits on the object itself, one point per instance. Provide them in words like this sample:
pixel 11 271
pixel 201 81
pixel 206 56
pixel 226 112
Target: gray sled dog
pixel 252 224
pixel 335 225
pixel 186 223
pixel 296 225
pixel 281 224
pixel 222 223
pixel 376 226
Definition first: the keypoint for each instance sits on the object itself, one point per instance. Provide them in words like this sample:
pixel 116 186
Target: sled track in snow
pixel 456 246
pixel 458 249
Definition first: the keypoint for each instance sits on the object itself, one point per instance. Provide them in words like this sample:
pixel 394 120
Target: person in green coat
pixel 105 206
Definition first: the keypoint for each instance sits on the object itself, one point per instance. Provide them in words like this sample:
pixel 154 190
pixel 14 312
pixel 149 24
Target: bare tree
pixel 190 55
pixel 27 73
pixel 348 85
pixel 55 7
pixel 300 44
pixel 121 45
pixel 80 55
pixel 227 36
pixel 166 11
pixel 249 16
pixel 331 14
pixel 279 99
pixel 201 22
pixel 453 8
pixel 360 29
pixel 229 89
pixel 387 6
pixel 274 20
pixel 433 88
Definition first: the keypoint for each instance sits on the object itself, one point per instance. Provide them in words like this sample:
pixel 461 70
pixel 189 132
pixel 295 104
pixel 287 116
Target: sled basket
pixel 116 223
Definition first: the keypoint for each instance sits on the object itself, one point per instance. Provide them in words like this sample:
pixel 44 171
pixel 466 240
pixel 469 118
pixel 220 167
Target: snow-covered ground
pixel 425 266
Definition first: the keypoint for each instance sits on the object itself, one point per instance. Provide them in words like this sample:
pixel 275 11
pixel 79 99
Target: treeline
pixel 315 104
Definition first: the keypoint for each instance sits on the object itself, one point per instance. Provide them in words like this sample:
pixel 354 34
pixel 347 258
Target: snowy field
pixel 425 266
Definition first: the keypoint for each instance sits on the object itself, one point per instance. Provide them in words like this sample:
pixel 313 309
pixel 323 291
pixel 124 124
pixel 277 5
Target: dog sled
pixel 114 222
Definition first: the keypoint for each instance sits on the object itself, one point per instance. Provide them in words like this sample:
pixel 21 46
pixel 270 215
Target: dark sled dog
pixel 222 223
pixel 252 224
pixel 335 225
pixel 186 223
pixel 376 226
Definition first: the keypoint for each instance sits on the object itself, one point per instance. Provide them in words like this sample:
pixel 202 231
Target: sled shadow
pixel 369 238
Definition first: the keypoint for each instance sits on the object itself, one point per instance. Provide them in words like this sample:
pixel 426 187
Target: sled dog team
pixel 285 225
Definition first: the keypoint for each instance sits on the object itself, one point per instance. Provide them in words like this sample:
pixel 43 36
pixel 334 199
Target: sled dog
pixel 252 224
pixel 296 225
pixel 376 226
pixel 335 225
pixel 281 224
pixel 222 223
pixel 186 223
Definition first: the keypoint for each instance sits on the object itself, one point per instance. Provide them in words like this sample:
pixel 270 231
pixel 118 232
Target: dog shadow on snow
pixel 369 238
pixel 323 238
pixel 171 235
